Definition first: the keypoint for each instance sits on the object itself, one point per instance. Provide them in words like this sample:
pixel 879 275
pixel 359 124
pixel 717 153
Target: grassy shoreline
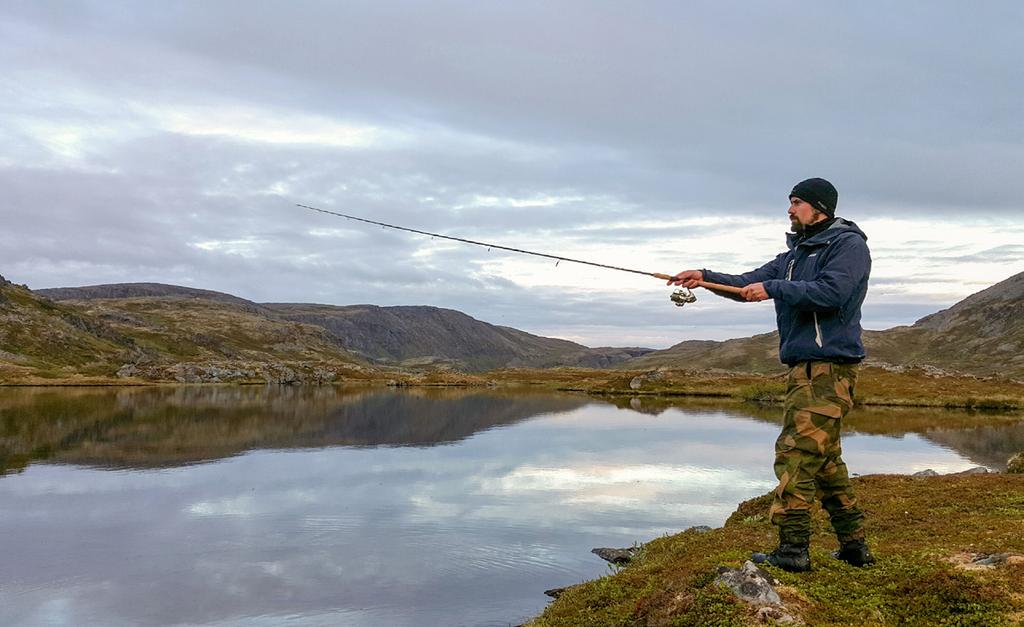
pixel 876 386
pixel 924 530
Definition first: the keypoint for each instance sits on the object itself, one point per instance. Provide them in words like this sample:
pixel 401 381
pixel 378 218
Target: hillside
pixel 414 336
pixel 404 336
pixel 96 330
pixel 981 335
pixel 181 338
pixel 138 290
pixel 53 339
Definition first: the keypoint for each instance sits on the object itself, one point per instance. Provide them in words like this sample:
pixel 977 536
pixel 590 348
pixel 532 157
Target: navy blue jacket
pixel 818 287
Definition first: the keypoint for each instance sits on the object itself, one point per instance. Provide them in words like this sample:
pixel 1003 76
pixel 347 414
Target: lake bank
pixel 877 386
pixel 930 534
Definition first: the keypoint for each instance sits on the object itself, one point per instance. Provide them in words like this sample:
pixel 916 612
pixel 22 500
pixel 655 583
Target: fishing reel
pixel 682 296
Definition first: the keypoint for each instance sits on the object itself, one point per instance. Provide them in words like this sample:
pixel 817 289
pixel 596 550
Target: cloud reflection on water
pixel 372 535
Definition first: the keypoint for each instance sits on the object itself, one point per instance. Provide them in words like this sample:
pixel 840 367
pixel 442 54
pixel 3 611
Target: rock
pixel 750 583
pixel 638 381
pixel 1015 465
pixel 619 557
pixel 977 470
pixel 554 593
pixel 984 561
pixel 776 614
pixel 927 472
pixel 994 559
pixel 127 370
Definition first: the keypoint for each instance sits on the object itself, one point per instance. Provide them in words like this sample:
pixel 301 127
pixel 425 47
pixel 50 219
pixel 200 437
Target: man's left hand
pixel 754 292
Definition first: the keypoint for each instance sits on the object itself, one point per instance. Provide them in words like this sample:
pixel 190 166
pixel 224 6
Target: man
pixel 818 286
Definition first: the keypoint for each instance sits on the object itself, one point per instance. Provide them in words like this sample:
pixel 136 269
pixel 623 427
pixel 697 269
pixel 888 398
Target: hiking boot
pixel 854 553
pixel 794 558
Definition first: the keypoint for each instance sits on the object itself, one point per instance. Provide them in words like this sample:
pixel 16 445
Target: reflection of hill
pixel 984 438
pixel 987 439
pixel 987 446
pixel 170 426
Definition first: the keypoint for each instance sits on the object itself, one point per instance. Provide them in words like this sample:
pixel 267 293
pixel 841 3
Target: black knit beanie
pixel 818 193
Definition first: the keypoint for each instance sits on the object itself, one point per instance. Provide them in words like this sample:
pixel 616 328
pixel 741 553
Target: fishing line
pixel 679 297
pixel 486 245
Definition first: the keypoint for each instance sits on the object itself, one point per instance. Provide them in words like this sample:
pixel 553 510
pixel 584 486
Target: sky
pixel 170 142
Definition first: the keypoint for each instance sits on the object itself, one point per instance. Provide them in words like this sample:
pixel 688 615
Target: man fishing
pixel 818 286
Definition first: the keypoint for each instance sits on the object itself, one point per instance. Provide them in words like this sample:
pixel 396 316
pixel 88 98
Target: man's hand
pixel 687 278
pixel 754 292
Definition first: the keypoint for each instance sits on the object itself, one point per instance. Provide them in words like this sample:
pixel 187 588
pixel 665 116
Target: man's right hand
pixel 687 278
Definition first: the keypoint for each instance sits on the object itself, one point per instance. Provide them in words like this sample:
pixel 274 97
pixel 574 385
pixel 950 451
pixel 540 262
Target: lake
pixel 330 506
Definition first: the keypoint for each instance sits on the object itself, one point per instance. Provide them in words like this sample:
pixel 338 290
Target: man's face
pixel 802 214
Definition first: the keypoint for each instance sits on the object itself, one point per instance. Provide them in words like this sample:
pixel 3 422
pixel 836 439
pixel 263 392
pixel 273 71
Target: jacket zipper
pixel 817 330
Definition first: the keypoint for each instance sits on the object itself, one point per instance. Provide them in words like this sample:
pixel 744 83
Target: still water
pixel 321 506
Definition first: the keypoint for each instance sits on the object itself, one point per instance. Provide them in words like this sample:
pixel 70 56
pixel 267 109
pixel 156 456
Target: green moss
pixel 763 391
pixel 916 527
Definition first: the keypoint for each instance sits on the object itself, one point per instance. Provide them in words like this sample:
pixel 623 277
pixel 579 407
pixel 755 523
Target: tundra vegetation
pixel 950 552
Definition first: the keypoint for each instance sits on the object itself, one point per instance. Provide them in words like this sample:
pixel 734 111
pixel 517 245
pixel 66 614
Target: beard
pixel 795 226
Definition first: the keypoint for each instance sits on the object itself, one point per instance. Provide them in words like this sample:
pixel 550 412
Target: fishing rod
pixel 680 297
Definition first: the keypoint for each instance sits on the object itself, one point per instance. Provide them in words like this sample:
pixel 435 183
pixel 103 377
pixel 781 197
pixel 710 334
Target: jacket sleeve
pixel 848 263
pixel 770 270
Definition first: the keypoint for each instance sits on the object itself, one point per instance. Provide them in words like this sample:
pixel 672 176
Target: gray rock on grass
pixel 750 583
pixel 619 557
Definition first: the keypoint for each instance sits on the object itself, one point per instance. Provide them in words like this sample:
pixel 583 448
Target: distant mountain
pixel 90 328
pixel 193 336
pixel 759 353
pixel 138 290
pixel 981 335
pixel 418 336
pixel 409 337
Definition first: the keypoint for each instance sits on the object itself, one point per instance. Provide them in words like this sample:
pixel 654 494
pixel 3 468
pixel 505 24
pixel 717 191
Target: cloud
pixel 171 144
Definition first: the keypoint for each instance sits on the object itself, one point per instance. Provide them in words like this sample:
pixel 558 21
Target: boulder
pixel 976 470
pixel 619 557
pixel 1015 465
pixel 750 583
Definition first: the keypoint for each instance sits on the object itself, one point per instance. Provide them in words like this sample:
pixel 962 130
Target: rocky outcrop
pixel 278 373
pixel 619 557
pixel 1015 465
pixel 755 586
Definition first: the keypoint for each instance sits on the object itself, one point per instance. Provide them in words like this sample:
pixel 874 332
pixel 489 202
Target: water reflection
pixel 324 506
pixel 154 427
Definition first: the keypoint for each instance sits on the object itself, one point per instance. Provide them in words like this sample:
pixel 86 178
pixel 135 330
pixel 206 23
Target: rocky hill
pixel 161 337
pixel 139 290
pixel 420 336
pixel 981 335
pixel 407 337
pixel 39 335
pixel 96 328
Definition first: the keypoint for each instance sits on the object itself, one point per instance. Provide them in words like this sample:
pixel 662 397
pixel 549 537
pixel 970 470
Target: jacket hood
pixel 840 227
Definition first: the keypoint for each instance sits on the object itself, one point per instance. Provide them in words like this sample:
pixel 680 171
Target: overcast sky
pixel 170 142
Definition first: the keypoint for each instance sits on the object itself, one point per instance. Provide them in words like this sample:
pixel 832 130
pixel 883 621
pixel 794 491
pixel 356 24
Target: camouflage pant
pixel 808 455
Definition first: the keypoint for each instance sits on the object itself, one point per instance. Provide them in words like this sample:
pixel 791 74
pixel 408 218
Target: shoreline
pixel 950 551
pixel 877 387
